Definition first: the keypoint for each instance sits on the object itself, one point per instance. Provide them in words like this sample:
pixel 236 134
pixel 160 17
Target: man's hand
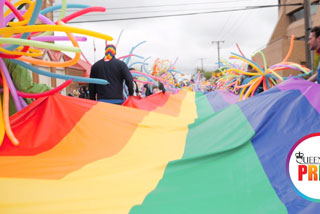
pixel 313 78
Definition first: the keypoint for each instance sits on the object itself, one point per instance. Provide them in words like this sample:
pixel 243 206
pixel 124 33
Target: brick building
pixel 290 22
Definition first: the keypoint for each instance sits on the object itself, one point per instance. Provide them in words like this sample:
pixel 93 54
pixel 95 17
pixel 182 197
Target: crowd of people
pixel 81 92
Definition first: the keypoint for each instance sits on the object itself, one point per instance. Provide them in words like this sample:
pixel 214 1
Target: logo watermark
pixel 303 167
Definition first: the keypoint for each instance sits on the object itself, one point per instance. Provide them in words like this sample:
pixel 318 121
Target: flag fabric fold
pixel 167 153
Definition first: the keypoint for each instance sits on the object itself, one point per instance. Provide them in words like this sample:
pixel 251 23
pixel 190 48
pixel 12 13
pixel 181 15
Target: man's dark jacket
pixel 115 72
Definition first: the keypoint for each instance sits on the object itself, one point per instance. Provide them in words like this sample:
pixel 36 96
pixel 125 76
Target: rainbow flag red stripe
pixel 168 153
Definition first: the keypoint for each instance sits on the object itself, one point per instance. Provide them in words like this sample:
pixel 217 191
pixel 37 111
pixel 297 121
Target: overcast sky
pixel 188 38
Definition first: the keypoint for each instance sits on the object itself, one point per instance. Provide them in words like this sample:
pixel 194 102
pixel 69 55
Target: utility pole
pixel 307 27
pixel 218 43
pixel 201 63
pixel 94 51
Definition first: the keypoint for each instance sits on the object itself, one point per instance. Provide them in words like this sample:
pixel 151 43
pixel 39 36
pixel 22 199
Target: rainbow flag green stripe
pixel 170 153
pixel 219 172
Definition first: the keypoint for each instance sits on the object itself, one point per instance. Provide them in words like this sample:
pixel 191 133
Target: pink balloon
pixel 47 93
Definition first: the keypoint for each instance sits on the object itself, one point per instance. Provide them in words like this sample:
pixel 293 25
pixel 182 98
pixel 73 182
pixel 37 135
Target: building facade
pixel 290 22
pixel 81 68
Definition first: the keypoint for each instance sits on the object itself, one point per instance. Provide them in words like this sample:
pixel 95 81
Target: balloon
pixel 149 78
pixel 41 17
pixel 34 53
pixel 7 80
pixel 290 49
pixel 135 55
pixel 144 82
pixel 242 72
pixel 274 73
pixel 1 13
pixel 59 6
pixel 252 63
pixel 25 48
pixel 18 4
pixel 6 120
pixel 81 12
pixel 58 38
pixel 63 9
pixel 286 64
pixel 134 63
pixel 257 85
pixel 59 76
pixel 60 28
pixel 121 57
pixel 240 50
pixel 56 64
pixel 265 87
pixel 264 60
pixel 26 16
pixel 39 44
pixel 47 93
pixel 148 75
pixel 2 127
pixel 132 49
pixel 14 10
pixel 32 21
pixel 23 103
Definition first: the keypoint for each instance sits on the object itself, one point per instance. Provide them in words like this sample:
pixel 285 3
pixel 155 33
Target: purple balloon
pixel 1 13
pixel 40 16
pixel 57 38
pixel 13 90
pixel 23 103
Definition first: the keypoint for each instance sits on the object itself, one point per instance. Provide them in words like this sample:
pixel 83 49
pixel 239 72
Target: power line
pixel 167 5
pixel 155 11
pixel 234 26
pixel 188 14
pixel 145 12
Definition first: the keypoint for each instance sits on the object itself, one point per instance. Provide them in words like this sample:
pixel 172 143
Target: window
pixel 299 38
pixel 299 14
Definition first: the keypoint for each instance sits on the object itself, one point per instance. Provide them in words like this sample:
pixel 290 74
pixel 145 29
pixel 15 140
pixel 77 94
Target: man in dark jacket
pixel 115 72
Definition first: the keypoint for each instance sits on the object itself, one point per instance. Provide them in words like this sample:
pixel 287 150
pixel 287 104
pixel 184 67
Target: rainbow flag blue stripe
pixel 168 153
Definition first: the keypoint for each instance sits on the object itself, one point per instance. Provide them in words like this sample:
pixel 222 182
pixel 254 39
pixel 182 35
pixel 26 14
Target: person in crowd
pixel 23 82
pixel 314 45
pixel 115 72
pixel 82 92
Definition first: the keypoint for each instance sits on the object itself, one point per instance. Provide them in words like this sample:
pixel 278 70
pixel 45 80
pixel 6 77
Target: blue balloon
pixel 149 78
pixel 252 62
pixel 32 21
pixel 59 6
pixel 60 76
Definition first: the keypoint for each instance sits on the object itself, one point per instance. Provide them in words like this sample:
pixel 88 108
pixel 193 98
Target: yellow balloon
pixel 8 31
pixel 39 44
pixel 26 16
pixel 255 67
pixel 243 72
pixel 274 73
pixel 33 53
pixel 6 120
pixel 17 4
pixel 56 64
pixel 1 124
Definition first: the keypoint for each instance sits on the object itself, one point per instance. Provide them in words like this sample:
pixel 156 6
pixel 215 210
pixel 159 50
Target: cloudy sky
pixel 187 38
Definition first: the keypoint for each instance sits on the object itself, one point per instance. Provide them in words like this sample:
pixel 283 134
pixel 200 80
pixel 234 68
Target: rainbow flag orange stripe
pixel 168 153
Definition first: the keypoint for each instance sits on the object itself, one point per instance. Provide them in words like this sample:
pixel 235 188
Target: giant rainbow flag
pixel 168 153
